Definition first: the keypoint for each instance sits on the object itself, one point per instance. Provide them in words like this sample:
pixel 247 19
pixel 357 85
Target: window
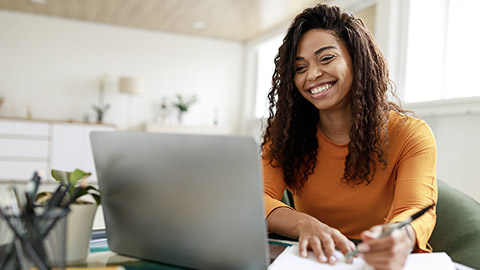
pixel 266 53
pixel 442 50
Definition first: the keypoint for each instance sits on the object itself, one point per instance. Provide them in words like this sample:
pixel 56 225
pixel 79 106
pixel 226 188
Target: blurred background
pixel 125 64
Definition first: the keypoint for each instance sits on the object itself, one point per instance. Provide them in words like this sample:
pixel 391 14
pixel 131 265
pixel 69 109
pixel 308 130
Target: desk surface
pixel 110 260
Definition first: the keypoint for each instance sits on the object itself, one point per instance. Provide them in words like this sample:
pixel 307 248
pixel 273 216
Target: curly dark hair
pixel 290 141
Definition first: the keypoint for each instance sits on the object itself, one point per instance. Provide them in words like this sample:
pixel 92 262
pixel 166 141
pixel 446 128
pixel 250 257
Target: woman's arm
pixel 415 188
pixel 284 220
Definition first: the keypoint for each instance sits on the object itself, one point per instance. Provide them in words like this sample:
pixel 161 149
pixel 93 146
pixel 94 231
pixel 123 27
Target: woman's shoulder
pixel 401 124
pixel 409 136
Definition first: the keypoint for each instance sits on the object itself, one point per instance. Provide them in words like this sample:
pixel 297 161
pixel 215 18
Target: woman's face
pixel 323 70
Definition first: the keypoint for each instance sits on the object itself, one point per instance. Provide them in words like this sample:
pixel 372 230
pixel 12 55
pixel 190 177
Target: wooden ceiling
pixel 237 20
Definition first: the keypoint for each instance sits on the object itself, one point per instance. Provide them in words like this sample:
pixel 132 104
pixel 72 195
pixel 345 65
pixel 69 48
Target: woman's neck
pixel 336 125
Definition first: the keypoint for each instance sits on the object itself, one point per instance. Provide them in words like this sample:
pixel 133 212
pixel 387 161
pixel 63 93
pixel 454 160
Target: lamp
pixel 130 86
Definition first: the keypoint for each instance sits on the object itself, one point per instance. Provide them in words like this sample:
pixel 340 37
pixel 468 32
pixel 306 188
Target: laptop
pixel 194 201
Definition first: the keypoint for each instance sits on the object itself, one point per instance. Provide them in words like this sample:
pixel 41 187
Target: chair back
pixel 457 231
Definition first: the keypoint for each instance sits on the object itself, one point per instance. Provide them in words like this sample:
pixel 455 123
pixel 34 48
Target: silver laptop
pixel 189 200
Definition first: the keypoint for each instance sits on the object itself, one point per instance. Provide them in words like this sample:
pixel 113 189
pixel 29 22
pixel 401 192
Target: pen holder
pixel 33 241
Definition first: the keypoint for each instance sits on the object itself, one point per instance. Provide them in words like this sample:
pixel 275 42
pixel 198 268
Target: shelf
pixel 188 129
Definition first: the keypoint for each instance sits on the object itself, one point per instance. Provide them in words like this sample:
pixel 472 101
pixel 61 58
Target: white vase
pixel 79 231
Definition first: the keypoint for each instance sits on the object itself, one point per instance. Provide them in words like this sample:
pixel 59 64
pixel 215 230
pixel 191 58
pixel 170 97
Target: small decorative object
pixel 183 104
pixel 100 111
pixel 2 99
pixel 82 212
pixel 215 116
pixel 29 111
pixel 131 86
pixel 163 111
pixel 101 108
pixel 86 118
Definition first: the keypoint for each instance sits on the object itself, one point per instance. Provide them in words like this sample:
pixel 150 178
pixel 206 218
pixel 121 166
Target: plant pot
pixel 79 231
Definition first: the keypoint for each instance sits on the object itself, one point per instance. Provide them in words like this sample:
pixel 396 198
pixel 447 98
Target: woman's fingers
pixel 343 243
pixel 385 260
pixel 321 239
pixel 317 249
pixel 314 244
pixel 329 248
pixel 388 252
pixel 302 246
pixel 323 246
pixel 372 233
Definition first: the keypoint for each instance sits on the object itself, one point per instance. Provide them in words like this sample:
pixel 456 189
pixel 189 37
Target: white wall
pixel 458 147
pixel 52 65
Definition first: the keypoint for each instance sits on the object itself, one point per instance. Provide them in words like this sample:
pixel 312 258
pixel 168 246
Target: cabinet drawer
pixel 19 170
pixel 23 148
pixel 14 127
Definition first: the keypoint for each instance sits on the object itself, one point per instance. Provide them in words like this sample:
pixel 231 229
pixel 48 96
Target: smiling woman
pixel 354 161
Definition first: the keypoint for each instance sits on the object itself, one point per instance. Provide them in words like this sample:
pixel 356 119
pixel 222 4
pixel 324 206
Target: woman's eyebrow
pixel 317 52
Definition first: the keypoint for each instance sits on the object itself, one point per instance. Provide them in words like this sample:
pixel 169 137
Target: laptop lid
pixel 189 200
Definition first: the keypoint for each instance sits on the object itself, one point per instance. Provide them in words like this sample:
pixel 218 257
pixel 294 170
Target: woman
pixel 354 161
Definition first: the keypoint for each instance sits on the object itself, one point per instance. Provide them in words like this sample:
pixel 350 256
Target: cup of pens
pixel 40 243
pixel 31 235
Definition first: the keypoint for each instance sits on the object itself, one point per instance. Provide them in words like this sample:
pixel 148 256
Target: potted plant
pixel 100 108
pixel 183 104
pixel 82 210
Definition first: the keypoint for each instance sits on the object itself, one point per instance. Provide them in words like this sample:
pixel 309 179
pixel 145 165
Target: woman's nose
pixel 314 73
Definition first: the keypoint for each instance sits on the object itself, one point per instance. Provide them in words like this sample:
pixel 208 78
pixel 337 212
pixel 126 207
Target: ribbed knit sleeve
pixel 416 186
pixel 274 186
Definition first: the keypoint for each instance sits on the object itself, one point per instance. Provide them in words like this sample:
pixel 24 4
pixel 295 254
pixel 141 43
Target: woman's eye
pixel 327 59
pixel 299 69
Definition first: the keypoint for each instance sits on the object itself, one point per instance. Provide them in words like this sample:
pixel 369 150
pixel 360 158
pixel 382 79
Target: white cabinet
pixel 24 148
pixel 30 145
pixel 71 148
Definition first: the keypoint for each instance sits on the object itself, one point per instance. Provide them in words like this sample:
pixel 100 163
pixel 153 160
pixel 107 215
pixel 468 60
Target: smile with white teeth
pixel 321 88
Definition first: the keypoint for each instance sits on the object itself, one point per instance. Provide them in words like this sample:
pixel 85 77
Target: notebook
pixel 290 259
pixel 188 200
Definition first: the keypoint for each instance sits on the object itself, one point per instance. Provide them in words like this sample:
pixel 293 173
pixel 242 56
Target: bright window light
pixel 442 54
pixel 265 57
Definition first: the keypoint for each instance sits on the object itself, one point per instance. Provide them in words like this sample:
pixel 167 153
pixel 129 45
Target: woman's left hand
pixel 388 252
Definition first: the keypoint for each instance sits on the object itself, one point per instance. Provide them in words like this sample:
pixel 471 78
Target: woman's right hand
pixel 311 233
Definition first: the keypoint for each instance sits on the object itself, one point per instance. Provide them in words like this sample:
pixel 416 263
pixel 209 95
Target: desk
pixel 110 260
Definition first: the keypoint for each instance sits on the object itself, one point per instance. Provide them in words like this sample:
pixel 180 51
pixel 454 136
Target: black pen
pixel 396 226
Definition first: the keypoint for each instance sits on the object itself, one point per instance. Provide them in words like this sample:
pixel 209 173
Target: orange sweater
pixel 406 185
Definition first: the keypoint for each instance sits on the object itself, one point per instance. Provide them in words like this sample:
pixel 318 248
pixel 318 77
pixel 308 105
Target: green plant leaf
pixel 61 176
pixel 75 176
pixel 43 197
pixel 90 190
pixel 97 198
pixel 77 193
pixel 184 104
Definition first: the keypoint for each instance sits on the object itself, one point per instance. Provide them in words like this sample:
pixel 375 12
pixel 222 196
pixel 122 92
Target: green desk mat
pixel 147 265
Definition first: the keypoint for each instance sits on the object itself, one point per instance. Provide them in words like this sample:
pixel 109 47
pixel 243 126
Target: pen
pixel 396 226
